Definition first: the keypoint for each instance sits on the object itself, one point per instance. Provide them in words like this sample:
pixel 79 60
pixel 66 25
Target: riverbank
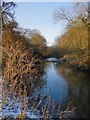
pixel 63 83
pixel 77 64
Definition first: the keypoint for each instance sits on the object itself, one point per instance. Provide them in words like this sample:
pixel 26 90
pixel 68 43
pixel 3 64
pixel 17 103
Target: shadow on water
pixel 78 88
pixel 64 82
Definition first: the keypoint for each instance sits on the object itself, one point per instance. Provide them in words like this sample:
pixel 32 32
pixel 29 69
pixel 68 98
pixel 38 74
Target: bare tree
pixel 78 13
pixel 7 11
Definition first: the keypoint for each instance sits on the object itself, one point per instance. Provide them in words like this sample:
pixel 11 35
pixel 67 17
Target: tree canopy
pixel 72 45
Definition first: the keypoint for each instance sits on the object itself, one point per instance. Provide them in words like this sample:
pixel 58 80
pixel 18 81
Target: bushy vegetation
pixel 23 51
pixel 72 46
pixel 21 64
pixel 38 42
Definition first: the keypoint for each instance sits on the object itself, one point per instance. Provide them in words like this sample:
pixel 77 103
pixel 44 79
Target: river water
pixel 63 83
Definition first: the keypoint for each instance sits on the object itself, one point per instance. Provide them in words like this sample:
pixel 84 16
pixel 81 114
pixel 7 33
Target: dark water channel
pixel 63 82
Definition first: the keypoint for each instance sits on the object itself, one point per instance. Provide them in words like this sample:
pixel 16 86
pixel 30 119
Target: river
pixel 62 83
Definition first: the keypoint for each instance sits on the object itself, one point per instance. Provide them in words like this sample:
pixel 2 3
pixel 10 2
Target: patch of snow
pixel 13 109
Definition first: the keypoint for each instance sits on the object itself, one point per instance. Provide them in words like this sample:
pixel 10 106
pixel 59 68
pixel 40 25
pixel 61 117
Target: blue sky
pixel 39 15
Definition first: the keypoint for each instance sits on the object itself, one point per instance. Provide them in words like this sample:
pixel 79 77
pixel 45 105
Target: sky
pixel 39 15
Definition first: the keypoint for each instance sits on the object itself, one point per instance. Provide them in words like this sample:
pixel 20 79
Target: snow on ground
pixel 13 109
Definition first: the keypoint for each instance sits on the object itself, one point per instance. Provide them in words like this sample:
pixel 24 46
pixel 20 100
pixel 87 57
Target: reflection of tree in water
pixel 78 87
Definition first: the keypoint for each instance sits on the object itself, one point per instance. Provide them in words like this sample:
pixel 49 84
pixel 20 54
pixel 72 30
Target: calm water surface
pixel 62 83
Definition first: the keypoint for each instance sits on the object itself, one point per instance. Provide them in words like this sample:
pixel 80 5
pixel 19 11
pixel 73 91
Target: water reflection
pixel 78 88
pixel 58 81
pixel 62 83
